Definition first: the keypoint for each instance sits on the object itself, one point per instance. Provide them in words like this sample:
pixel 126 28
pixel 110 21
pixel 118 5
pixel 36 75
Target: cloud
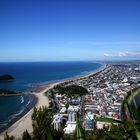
pixel 123 54
pixel 105 43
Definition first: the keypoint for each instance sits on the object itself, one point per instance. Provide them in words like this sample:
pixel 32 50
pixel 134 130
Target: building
pixel 70 128
pixel 57 121
pixel 89 121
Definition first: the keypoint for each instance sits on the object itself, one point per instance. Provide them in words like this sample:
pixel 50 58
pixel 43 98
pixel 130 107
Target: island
pixel 6 77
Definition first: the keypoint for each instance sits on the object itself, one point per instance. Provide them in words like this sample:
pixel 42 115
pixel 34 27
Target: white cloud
pixel 106 43
pixel 106 54
pixel 123 54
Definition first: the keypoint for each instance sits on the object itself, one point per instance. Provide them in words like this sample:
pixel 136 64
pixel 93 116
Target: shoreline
pixel 77 77
pixel 25 123
pixel 33 101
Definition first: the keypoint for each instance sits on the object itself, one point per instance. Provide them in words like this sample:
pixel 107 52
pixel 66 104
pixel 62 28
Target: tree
pixel 26 136
pixel 42 124
pixel 7 137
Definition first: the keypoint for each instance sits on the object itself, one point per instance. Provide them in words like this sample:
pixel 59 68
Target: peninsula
pixel 104 93
pixel 7 92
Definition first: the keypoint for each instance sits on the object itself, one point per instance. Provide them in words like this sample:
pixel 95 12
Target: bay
pixel 27 76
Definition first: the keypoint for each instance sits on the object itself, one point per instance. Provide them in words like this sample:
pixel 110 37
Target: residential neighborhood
pixel 106 91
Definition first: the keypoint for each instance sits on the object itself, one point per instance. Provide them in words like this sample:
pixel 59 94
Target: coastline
pixel 33 101
pixel 28 107
pixel 77 77
pixel 25 122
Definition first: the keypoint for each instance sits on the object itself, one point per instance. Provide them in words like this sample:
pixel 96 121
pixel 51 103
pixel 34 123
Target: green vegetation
pixel 132 107
pixel 128 128
pixel 7 92
pixel 41 124
pixel 70 90
pixel 6 78
pixel 26 136
pixel 7 137
pixel 128 102
pixel 80 133
pixel 118 130
pixel 42 128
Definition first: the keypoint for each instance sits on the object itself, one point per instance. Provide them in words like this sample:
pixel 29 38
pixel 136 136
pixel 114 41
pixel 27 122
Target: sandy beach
pixel 25 123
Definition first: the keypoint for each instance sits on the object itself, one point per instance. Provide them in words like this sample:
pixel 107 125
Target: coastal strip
pixel 25 122
pixel 32 102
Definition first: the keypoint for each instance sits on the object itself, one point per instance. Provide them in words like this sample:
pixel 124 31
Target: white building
pixel 71 123
pixel 73 108
pixel 101 125
pixel 71 117
pixel 57 120
pixel 63 110
pixel 70 128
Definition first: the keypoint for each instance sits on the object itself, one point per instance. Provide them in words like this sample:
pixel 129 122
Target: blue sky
pixel 65 30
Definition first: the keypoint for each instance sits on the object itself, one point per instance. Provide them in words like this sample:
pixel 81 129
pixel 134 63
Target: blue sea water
pixel 29 75
pixel 14 107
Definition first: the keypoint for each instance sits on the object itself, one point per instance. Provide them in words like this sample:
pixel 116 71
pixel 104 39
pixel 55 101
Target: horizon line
pixel 70 61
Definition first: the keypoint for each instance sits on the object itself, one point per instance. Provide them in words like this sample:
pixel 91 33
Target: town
pixel 106 91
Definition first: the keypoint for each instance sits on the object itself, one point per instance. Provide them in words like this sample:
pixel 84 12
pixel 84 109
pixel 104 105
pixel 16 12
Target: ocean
pixel 28 76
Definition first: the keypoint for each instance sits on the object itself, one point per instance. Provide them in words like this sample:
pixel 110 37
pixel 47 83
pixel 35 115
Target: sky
pixel 69 30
